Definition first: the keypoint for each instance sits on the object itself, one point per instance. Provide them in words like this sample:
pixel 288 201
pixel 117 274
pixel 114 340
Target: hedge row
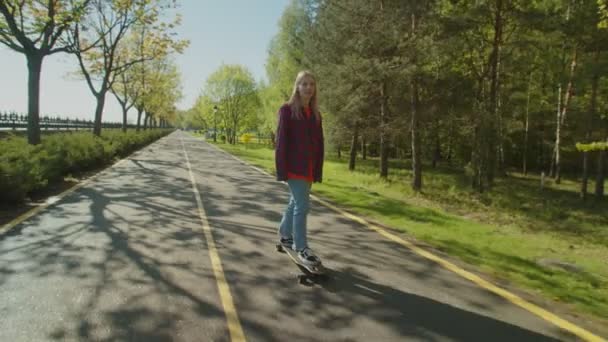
pixel 25 168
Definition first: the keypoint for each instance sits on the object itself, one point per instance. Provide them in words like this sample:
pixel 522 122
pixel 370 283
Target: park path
pixel 176 243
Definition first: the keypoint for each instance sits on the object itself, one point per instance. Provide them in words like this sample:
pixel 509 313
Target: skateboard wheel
pixel 279 248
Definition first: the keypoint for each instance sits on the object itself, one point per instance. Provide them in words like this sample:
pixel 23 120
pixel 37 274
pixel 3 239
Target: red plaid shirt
pixel 299 150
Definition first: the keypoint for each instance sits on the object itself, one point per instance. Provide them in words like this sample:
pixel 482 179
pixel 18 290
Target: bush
pixel 246 138
pixel 21 168
pixel 25 168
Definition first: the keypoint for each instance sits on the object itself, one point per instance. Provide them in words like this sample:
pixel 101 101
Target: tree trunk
pixel 139 113
pixel 478 160
pixel 599 180
pixel 414 99
pixel 101 99
pixel 527 127
pixel 567 97
pixel 585 179
pixel 363 147
pixel 450 139
pixel 272 139
pixel 234 136
pixel 353 148
pixel 383 135
pixel 34 66
pixel 541 127
pixel 437 149
pixel 558 127
pixel 556 148
pixel 590 117
pixel 493 148
pixel 416 163
pixel 124 117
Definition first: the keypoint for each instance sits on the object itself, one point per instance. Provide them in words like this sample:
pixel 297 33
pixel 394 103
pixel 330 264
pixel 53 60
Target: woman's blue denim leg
pixel 294 218
pixel 286 227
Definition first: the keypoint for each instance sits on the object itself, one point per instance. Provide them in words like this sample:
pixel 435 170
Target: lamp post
pixel 215 123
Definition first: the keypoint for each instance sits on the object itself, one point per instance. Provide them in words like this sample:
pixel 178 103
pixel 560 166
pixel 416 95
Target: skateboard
pixel 309 273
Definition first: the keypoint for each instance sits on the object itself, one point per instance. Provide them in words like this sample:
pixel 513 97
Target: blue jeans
pixel 294 218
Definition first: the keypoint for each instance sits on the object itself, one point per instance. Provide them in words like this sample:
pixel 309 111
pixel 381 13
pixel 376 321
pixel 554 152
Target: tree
pixel 286 53
pixel 472 83
pixel 164 91
pixel 271 98
pixel 233 89
pixel 603 14
pixel 285 59
pixel 418 67
pixel 202 114
pixel 36 30
pixel 127 90
pixel 109 23
pixel 355 50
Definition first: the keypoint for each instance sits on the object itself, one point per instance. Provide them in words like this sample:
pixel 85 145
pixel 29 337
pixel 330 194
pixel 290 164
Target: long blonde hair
pixel 295 101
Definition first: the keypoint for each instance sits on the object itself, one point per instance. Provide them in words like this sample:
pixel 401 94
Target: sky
pixel 219 31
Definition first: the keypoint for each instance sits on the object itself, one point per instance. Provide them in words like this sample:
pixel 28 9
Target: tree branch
pixel 12 24
pixel 83 68
pixel 6 39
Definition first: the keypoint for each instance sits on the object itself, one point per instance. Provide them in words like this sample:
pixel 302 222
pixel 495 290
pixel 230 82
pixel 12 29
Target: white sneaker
pixel 286 242
pixel 308 258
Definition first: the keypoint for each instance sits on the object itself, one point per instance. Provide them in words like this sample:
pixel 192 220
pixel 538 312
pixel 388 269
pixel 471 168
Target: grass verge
pixel 547 242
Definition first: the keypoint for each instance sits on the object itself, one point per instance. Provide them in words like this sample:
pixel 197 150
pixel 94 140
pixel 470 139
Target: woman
pixel 299 161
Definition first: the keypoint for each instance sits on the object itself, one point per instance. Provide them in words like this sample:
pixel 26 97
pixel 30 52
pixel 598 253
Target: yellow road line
pixel 513 298
pixel 234 325
pixel 542 313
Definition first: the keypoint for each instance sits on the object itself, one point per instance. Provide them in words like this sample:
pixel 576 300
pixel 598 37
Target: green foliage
pixel 288 53
pixel 21 168
pixel 26 168
pixel 83 152
pixel 116 36
pixel 505 233
pixel 35 20
pixel 203 115
pixel 246 138
pixel 603 13
pixel 595 146
pixel 163 88
pixel 233 89
pixel 487 75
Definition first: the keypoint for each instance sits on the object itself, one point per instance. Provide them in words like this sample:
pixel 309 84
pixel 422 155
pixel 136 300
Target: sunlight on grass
pixel 505 232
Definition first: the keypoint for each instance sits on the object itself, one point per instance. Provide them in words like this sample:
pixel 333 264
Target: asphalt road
pixel 126 258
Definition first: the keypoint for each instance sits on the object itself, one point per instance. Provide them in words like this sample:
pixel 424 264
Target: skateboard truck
pixel 310 273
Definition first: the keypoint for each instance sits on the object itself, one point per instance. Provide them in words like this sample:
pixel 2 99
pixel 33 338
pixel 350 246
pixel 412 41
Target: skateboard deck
pixel 309 272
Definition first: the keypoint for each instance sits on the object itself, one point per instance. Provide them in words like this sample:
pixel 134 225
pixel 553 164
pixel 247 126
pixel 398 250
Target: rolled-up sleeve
pixel 281 146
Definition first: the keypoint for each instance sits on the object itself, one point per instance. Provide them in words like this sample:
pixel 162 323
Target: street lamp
pixel 215 123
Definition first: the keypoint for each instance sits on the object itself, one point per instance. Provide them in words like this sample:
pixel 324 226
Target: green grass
pixel 504 232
